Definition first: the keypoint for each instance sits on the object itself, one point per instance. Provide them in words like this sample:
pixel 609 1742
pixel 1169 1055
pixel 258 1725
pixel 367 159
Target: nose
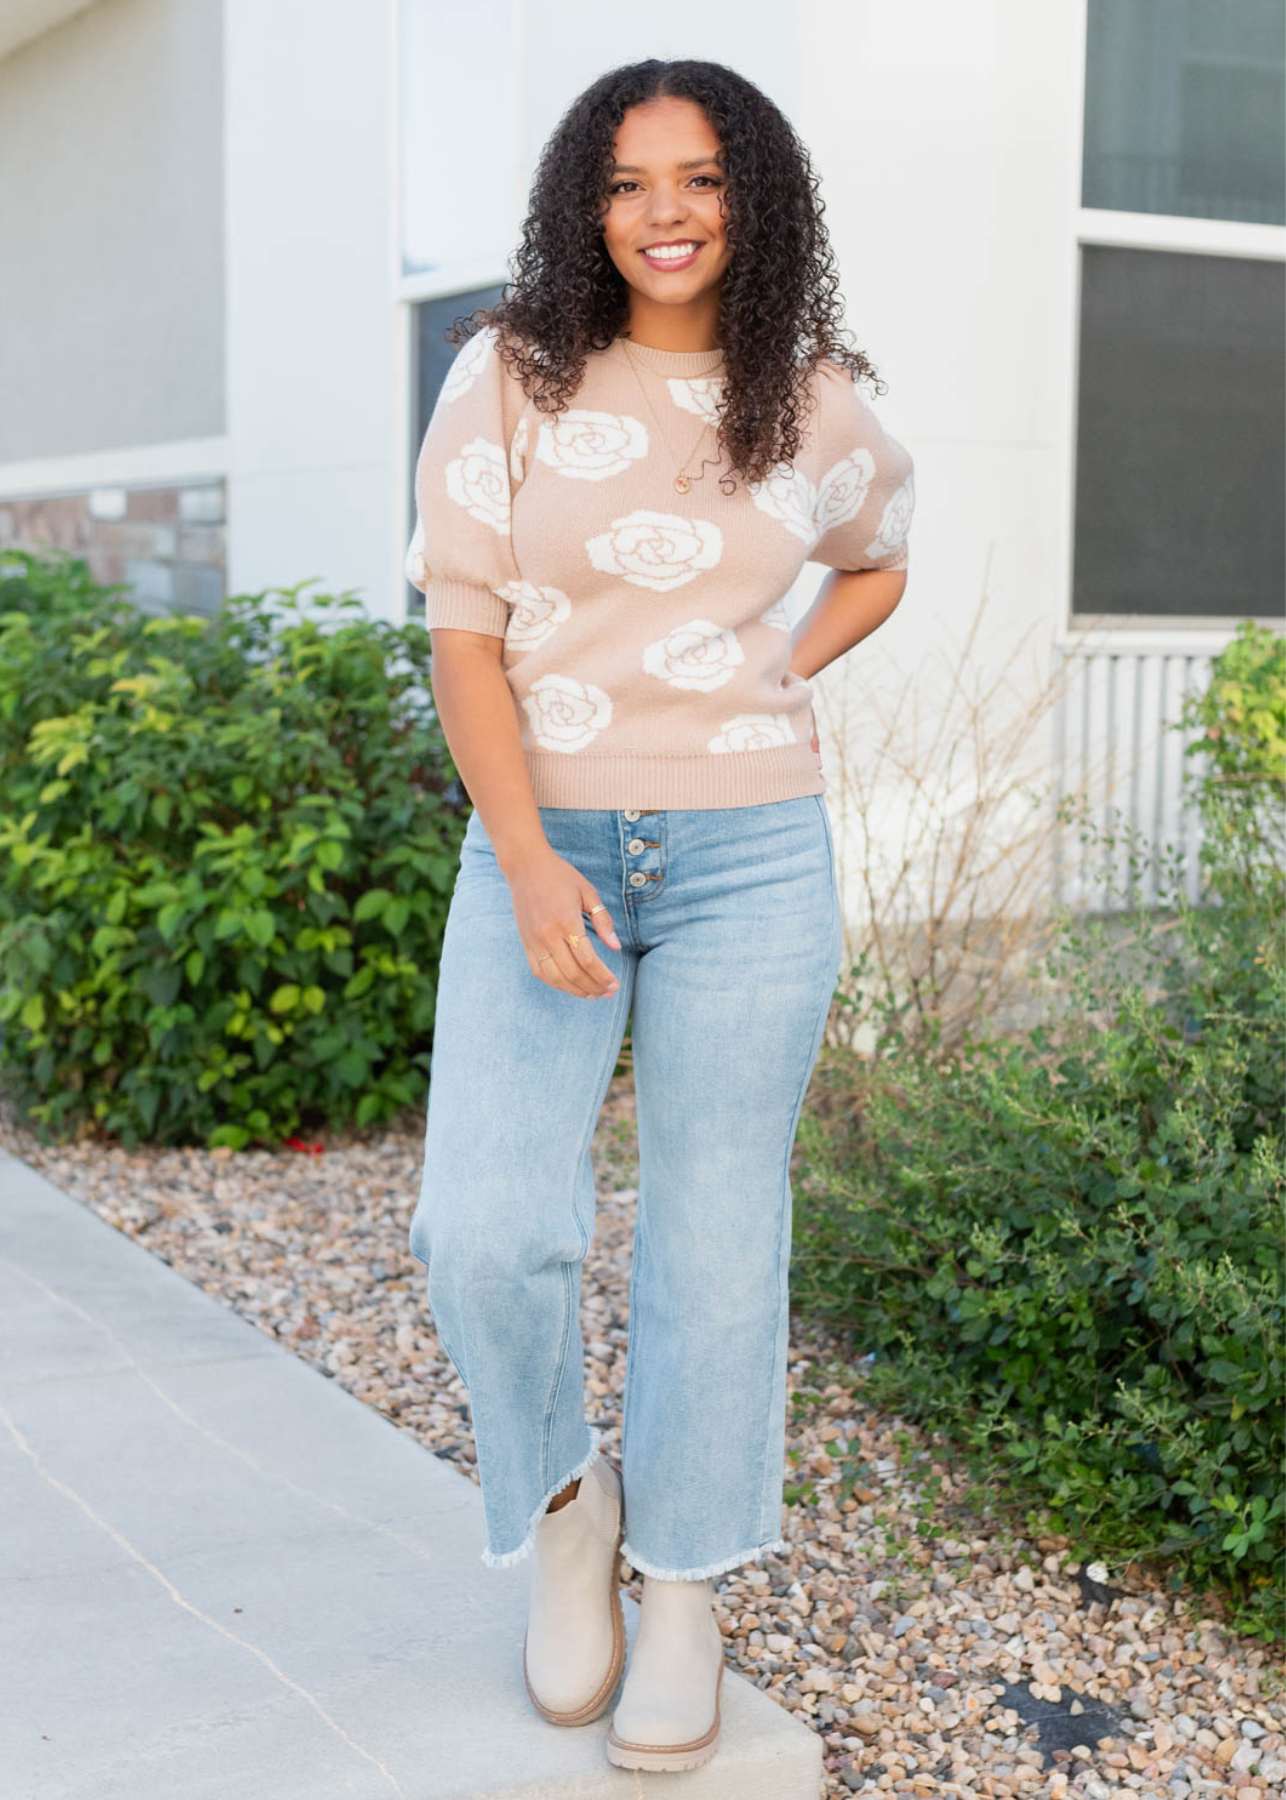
pixel 666 205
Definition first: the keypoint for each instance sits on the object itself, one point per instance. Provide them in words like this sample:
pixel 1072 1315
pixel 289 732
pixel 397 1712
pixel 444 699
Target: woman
pixel 630 459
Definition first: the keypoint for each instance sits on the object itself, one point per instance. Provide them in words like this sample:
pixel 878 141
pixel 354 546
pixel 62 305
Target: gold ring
pixel 574 939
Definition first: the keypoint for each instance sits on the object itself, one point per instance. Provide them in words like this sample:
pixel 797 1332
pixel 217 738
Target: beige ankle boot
pixel 574 1650
pixel 668 1714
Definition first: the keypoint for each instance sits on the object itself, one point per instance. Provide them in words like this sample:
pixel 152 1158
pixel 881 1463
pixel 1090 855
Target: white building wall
pixel 948 142
pixel 315 371
pixel 111 241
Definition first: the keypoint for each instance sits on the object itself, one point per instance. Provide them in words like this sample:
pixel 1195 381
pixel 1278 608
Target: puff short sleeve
pixel 461 556
pixel 865 482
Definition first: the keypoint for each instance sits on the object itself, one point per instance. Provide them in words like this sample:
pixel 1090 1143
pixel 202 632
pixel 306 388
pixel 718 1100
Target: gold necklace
pixel 681 481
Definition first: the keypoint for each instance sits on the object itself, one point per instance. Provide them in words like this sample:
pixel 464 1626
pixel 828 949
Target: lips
pixel 672 256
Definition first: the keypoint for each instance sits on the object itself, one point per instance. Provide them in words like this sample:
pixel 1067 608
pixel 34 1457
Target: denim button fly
pixel 632 815
pixel 635 845
pixel 637 878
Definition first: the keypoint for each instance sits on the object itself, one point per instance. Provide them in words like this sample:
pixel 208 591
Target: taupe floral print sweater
pixel 646 641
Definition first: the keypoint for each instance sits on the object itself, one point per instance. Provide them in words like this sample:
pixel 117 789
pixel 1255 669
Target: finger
pixel 600 920
pixel 545 967
pixel 541 962
pixel 593 974
pixel 565 970
pixel 596 970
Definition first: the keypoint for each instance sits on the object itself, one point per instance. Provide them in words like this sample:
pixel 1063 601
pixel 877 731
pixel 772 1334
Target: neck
pixel 691 327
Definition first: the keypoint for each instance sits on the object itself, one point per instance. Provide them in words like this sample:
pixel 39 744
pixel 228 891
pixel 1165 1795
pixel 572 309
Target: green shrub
pixel 1064 1249
pixel 228 848
pixel 1242 718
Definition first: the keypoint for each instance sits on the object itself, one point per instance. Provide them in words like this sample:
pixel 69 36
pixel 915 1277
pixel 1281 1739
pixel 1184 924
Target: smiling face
pixel 664 223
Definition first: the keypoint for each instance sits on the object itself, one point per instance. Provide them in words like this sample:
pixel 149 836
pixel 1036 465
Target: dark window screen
pixel 432 356
pixel 1181 436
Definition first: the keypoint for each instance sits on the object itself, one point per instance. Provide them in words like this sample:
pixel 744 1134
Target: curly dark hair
pixel 779 314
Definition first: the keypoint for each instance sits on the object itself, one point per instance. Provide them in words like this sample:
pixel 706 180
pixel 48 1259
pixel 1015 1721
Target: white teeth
pixel 671 252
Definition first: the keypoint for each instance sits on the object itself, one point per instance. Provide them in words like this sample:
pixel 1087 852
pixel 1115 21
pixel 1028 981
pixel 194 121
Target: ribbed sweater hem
pixel 736 778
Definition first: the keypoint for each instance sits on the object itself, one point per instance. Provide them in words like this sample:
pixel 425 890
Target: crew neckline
pixel 670 362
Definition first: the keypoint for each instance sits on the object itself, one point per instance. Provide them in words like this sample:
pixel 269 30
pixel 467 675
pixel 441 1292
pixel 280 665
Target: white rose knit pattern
pixel 645 636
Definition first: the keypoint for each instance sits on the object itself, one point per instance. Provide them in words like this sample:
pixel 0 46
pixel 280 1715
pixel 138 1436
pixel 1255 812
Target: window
pixel 1184 108
pixel 1181 399
pixel 1181 449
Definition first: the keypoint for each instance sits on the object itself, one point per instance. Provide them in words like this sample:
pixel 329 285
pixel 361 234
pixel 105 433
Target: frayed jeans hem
pixel 504 1559
pixel 778 1546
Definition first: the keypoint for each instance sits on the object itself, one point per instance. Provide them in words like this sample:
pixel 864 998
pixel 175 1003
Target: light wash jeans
pixel 729 923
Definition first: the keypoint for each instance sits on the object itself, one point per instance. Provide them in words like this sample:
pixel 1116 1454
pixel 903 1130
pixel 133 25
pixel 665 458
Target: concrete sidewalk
pixel 226 1579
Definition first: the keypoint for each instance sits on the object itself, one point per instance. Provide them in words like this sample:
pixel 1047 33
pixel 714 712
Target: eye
pixel 618 187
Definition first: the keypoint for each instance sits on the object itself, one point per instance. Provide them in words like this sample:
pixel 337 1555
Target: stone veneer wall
pixel 168 543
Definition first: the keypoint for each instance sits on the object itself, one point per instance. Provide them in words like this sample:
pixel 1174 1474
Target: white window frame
pixel 1133 231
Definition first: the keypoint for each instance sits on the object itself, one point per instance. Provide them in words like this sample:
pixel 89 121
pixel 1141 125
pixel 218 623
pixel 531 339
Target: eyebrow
pixel 695 162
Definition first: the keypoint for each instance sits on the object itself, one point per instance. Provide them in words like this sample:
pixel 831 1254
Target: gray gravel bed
pixel 974 1662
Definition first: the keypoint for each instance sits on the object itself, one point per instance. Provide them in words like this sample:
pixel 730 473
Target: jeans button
pixel 635 845
pixel 637 878
pixel 633 815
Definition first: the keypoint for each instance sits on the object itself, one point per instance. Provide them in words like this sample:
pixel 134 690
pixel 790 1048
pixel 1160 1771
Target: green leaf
pixel 170 918
pixel 161 983
pixel 236 1137
pixel 261 927
pixel 371 905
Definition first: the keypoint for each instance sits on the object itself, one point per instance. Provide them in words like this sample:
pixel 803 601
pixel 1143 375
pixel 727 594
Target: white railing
pixel 1116 744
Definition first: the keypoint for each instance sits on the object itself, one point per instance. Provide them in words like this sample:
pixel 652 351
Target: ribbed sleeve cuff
pixel 464 605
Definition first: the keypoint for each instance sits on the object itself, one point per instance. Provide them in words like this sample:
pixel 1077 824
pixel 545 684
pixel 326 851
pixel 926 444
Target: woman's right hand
pixel 549 896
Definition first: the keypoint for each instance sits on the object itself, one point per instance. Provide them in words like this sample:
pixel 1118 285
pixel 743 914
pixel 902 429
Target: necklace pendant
pixel 682 483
